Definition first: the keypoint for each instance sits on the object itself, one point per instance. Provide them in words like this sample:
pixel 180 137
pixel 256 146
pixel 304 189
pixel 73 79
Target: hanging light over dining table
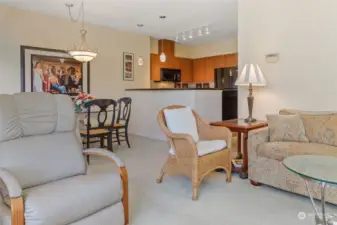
pixel 82 52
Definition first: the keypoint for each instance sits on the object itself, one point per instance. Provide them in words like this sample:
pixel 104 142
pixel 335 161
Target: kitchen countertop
pixel 174 89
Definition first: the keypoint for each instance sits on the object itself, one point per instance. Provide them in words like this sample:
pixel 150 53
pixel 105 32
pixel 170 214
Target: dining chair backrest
pixel 124 110
pixel 101 107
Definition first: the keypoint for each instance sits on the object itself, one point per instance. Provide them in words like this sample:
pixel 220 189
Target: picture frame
pixel 53 71
pixel 128 66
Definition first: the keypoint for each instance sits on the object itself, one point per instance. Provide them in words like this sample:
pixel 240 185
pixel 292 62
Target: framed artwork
pixel 53 71
pixel 128 67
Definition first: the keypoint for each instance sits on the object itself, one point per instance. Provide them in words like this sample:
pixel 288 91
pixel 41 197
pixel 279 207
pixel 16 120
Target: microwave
pixel 173 75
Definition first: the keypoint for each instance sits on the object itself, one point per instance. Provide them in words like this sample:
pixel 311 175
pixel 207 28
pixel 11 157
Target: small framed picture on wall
pixel 128 66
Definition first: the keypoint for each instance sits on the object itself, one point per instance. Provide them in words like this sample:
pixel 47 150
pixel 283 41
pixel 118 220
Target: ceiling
pixel 182 15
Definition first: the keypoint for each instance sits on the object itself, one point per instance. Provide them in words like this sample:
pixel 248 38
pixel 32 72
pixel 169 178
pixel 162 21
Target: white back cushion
pixel 182 121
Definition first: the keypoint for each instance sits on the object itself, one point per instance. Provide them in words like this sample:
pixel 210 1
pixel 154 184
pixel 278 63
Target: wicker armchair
pixel 187 160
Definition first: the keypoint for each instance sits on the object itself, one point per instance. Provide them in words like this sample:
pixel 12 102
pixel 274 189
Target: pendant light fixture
pixel 162 56
pixel 82 52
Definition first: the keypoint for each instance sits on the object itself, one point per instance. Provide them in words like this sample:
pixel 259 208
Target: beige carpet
pixel 219 203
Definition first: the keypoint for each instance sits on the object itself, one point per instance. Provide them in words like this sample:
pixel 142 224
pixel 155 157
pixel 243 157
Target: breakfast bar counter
pixel 146 103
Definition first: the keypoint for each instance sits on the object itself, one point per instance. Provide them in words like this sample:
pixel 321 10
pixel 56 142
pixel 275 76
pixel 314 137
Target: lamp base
pixel 250 120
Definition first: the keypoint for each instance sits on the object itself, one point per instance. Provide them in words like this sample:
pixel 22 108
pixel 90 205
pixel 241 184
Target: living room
pixel 287 47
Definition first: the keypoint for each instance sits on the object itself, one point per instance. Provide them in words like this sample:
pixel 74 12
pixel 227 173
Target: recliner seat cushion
pixel 72 199
pixel 40 159
pixel 207 147
pixel 281 150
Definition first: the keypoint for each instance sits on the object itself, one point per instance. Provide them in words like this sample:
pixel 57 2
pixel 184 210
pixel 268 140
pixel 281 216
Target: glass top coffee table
pixel 318 168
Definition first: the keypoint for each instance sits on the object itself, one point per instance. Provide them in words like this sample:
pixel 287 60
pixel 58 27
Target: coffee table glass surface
pixel 319 168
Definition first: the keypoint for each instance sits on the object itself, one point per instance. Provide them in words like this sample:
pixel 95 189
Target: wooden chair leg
pixel 127 137
pixel 117 136
pixel 160 178
pixel 101 142
pixel 109 140
pixel 88 160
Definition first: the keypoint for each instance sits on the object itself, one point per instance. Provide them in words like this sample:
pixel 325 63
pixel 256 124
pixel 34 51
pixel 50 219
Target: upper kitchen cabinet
pixel 199 70
pixel 219 61
pixel 186 66
pixel 155 67
pixel 209 69
pixel 231 60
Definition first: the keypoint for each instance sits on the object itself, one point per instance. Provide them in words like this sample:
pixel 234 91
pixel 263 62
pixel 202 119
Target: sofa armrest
pixel 123 173
pixel 255 139
pixel 104 153
pixel 13 188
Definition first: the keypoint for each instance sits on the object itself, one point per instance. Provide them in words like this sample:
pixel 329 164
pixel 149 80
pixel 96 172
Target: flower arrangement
pixel 81 99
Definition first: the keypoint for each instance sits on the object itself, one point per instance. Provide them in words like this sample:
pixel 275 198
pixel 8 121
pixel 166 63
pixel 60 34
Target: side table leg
pixel 239 150
pixel 244 170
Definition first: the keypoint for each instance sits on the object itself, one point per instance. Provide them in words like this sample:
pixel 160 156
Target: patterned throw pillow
pixel 286 128
pixel 321 129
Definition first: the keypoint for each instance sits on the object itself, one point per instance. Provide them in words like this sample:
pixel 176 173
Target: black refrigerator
pixel 225 79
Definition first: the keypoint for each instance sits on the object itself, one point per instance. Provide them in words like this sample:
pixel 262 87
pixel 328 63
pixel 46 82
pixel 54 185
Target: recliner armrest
pixel 13 186
pixel 105 153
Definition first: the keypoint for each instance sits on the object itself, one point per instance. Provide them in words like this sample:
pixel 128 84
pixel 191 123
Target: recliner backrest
pixel 38 140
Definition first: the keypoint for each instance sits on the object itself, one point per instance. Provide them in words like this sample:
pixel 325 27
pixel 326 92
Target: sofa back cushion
pixel 286 128
pixel 320 127
pixel 38 141
pixel 182 120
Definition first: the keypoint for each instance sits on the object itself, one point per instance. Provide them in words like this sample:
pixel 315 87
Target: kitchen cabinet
pixel 186 66
pixel 199 70
pixel 219 61
pixel 231 60
pixel 209 69
pixel 155 67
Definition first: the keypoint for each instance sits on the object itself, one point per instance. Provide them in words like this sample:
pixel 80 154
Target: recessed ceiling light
pixel 140 25
pixel 162 17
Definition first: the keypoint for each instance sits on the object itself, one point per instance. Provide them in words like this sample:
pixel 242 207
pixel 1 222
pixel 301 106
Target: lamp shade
pixel 251 74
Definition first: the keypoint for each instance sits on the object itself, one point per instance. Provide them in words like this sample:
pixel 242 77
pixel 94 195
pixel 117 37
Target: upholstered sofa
pixel 43 171
pixel 265 157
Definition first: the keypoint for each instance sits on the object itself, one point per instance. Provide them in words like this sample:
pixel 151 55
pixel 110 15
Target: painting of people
pixel 56 75
pixel 53 71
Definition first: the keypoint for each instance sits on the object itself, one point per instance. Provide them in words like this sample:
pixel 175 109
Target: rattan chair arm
pixel 208 132
pixel 13 186
pixel 183 145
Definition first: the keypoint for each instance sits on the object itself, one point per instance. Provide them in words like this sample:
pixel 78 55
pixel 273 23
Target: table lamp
pixel 251 76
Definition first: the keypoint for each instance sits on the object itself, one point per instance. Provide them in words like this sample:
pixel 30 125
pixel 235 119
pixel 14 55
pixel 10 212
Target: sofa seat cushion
pixel 69 200
pixel 207 147
pixel 282 150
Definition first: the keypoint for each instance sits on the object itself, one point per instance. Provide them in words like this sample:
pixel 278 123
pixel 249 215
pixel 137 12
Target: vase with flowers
pixel 81 99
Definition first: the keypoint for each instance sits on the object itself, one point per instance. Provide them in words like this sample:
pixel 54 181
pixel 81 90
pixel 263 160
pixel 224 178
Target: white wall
pixel 18 27
pixel 226 46
pixel 304 32
pixel 193 52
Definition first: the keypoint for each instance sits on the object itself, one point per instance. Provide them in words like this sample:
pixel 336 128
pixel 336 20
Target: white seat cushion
pixel 182 121
pixel 207 147
pixel 72 199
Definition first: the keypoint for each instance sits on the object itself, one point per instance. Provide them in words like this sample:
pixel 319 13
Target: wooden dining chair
pixel 123 118
pixel 100 127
